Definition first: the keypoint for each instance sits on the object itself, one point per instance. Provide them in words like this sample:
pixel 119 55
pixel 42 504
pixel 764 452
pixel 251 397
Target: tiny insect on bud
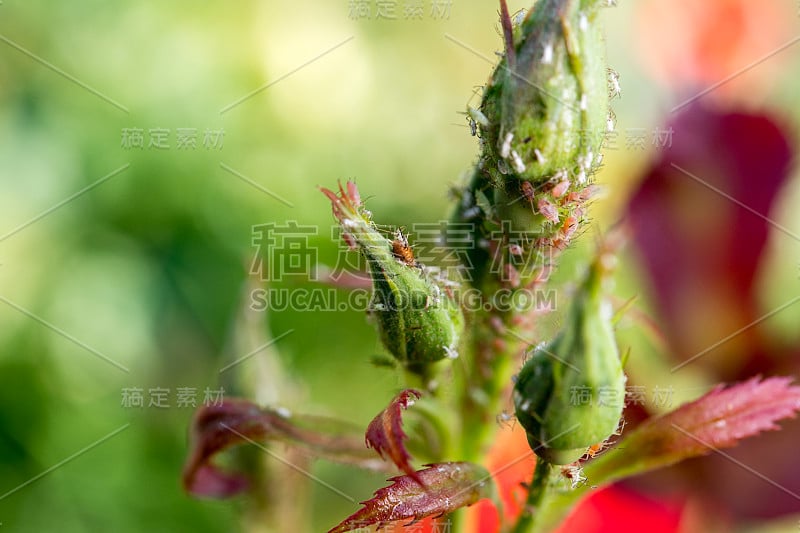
pixel 560 188
pixel 418 322
pixel 528 191
pixel 542 122
pixel 402 251
pixel 569 227
pixel 548 99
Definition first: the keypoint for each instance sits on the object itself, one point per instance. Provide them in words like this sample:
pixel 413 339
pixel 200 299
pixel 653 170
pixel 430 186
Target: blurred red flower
pixel 610 510
pixel 691 45
pixel 700 221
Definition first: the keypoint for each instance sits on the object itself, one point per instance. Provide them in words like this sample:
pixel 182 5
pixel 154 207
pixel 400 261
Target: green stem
pixel 456 522
pixel 488 375
pixel 419 377
pixel 436 416
pixel 536 493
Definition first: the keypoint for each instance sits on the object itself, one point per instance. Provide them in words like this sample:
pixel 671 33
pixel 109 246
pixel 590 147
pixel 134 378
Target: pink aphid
pixel 584 195
pixel 565 232
pixel 515 249
pixel 548 210
pixel 528 191
pixel 569 227
pixel 560 188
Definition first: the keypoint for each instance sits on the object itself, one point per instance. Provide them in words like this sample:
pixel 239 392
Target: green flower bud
pixel 542 121
pixel 570 393
pixel 546 105
pixel 418 322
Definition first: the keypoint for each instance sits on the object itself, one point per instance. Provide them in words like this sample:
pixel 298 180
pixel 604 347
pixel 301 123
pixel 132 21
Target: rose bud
pixel 419 322
pixel 570 393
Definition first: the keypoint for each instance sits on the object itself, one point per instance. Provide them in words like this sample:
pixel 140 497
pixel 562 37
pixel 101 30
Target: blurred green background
pixel 141 280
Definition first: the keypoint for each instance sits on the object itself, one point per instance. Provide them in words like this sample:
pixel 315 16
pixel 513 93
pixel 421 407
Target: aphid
pixel 528 192
pixel 401 250
pixel 502 167
pixel 566 232
pixel 505 419
pixel 569 227
pixel 598 160
pixel 515 249
pixel 595 449
pixel 586 160
pixel 477 116
pixel 519 16
pixel 560 188
pixel 548 210
pixel 584 195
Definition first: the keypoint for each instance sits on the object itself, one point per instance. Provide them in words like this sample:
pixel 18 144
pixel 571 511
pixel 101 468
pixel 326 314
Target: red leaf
pixel 726 415
pixel 447 487
pixel 235 421
pixel 385 432
pixel 719 419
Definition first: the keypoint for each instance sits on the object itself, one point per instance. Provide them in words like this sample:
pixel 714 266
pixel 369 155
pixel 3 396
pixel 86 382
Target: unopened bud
pixel 570 393
pixel 547 103
pixel 419 323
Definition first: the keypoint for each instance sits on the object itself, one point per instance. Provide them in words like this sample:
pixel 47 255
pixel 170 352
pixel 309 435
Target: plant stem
pixel 536 492
pixel 488 376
